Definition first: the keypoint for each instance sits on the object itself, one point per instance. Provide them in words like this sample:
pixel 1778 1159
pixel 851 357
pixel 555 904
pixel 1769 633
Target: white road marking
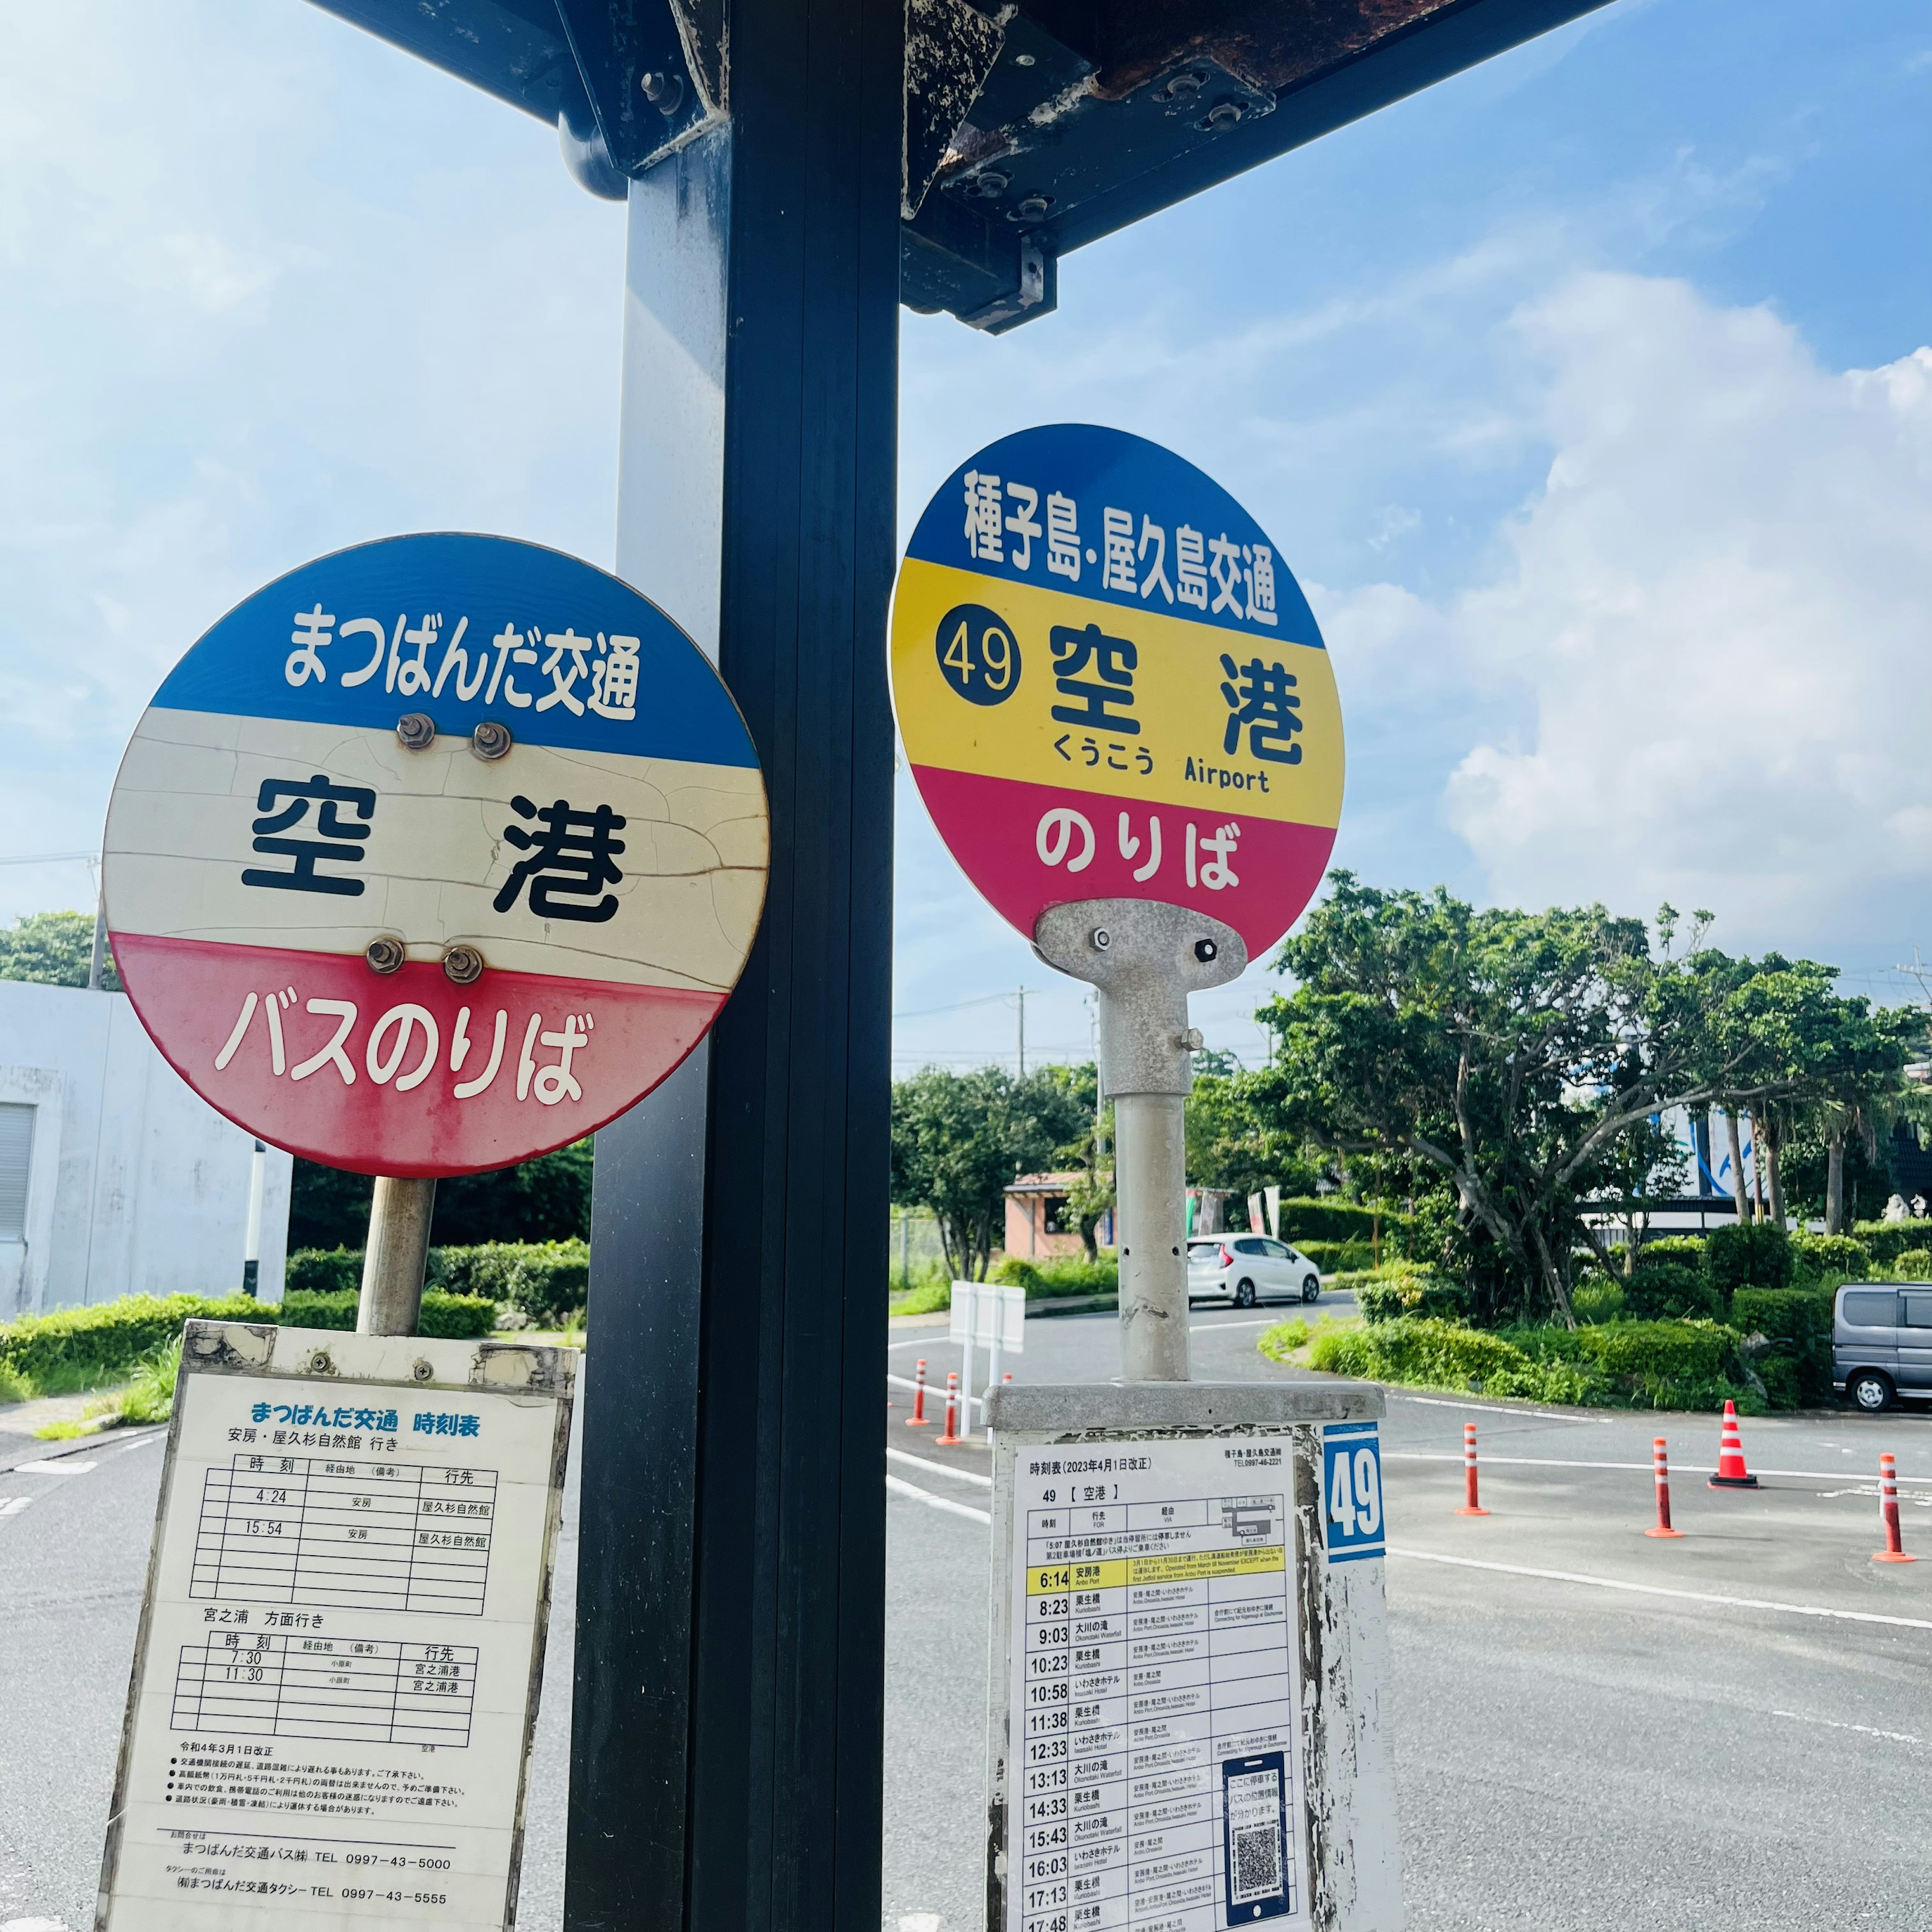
pixel 65 1466
pixel 13 1506
pixel 1569 1463
pixel 1215 1328
pixel 931 1502
pixel 35 1925
pixel 912 1921
pixel 1488 1407
pixel 940 1468
pixel 1660 1590
pixel 1830 1724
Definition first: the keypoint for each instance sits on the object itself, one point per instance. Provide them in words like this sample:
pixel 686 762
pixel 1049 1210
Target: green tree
pixel 959 1138
pixel 1237 1137
pixel 547 1199
pixel 1519 1055
pixel 53 948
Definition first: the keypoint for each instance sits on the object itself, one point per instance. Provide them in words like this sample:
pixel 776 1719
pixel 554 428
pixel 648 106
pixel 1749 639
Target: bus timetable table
pixel 279 1685
pixel 1155 1767
pixel 345 1532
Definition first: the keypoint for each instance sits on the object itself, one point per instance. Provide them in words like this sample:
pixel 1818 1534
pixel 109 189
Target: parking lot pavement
pixel 1594 1730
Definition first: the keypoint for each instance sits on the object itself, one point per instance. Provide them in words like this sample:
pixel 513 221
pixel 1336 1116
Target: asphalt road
pixel 1570 1753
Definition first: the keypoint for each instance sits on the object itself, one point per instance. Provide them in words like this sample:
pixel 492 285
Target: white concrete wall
pixel 138 1185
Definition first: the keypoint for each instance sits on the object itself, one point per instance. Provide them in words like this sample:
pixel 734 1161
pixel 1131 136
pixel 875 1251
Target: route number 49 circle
pixel 979 655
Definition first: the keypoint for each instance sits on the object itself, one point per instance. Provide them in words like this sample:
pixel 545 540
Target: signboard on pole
pixel 335 1678
pixel 1110 686
pixel 1188 1721
pixel 435 854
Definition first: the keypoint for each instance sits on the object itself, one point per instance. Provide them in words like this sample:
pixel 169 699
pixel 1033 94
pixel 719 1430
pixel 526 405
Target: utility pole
pixel 1022 1033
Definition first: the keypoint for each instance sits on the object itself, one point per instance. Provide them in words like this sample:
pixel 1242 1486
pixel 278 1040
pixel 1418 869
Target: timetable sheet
pixel 332 1705
pixel 1154 1780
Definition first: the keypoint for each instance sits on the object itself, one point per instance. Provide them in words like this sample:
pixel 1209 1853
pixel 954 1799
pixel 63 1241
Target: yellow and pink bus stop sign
pixel 1109 685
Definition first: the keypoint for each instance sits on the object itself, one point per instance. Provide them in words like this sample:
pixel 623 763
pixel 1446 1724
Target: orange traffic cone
pixel 1732 1473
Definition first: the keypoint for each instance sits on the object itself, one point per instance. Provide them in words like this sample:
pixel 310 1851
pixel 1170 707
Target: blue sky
pixel 1587 395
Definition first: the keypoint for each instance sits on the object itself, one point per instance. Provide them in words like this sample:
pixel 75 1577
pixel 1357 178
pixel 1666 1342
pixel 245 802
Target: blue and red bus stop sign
pixel 435 854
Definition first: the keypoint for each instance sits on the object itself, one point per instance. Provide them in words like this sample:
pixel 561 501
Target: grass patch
pixel 148 1398
pixel 928 1298
pixel 1284 1338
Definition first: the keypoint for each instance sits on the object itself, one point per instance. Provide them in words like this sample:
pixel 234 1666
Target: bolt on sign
pixel 435 854
pixel 335 1677
pixel 1110 686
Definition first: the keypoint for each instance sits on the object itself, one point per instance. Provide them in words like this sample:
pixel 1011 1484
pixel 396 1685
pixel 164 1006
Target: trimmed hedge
pixel 1795 1362
pixel 102 1342
pixel 1815 1256
pixel 1303 1220
pixel 1334 1257
pixel 1668 1287
pixel 1398 1292
pixel 549 1281
pixel 1614 1364
pixel 1068 1274
pixel 1748 1254
pixel 452 1318
pixel 1913 1264
pixel 1886 1240
pixel 108 1339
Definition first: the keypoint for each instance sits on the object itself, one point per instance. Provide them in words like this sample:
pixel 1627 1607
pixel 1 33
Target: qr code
pixel 1257 1863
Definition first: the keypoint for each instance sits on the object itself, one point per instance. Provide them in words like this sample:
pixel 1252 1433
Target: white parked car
pixel 1247 1268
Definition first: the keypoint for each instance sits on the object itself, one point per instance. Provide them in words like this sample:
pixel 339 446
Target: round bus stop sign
pixel 1110 686
pixel 435 854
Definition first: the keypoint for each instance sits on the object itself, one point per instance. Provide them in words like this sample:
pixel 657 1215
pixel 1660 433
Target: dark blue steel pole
pixel 726 1752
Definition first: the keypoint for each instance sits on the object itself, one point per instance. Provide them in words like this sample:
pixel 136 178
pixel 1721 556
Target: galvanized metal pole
pixel 396 1256
pixel 1143 959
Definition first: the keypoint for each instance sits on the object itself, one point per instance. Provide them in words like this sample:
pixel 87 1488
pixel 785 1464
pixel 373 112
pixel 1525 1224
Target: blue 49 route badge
pixel 435 854
pixel 1352 1491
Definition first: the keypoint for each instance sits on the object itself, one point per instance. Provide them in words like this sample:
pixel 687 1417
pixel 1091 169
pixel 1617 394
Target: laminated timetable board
pixel 1172 1606
pixel 335 1683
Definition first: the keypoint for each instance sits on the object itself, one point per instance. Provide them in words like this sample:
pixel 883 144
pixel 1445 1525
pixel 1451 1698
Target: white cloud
pixel 1714 617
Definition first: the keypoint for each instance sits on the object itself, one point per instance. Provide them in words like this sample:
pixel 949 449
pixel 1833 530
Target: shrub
pixel 1795 1362
pixel 549 1281
pixel 1058 1275
pixel 1814 1256
pixel 1333 1257
pixel 78 1348
pixel 1668 1287
pixel 1427 1353
pixel 1885 1241
pixel 1396 1292
pixel 1306 1220
pixel 323 1271
pixel 456 1317
pixel 1675 1247
pixel 1634 1364
pixel 1597 1301
pixel 1748 1254
pixel 1913 1264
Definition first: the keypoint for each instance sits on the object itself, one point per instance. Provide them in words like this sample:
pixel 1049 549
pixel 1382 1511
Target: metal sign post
pixel 434 855
pixel 1140 765
pixel 1120 713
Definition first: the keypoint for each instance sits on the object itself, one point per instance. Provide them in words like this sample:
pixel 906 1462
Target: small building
pixel 1038 1222
pixel 116 1178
